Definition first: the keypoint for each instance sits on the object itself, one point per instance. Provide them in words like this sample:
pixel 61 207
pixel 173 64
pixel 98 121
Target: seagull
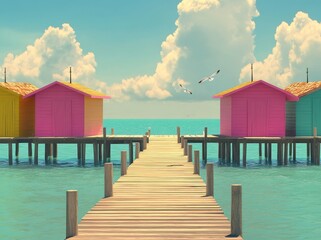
pixel 210 77
pixel 185 89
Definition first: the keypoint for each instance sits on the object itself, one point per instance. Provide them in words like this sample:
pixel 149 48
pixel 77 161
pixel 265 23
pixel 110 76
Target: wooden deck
pixel 159 198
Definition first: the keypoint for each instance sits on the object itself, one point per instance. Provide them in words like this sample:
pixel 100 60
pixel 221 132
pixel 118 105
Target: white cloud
pixel 298 46
pixel 49 58
pixel 210 34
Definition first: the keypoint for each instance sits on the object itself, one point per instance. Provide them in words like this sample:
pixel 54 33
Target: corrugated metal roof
pixel 301 89
pixel 20 88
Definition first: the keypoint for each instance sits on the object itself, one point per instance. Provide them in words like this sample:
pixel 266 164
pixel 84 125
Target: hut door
pixel 257 117
pixel 62 118
pixel 8 119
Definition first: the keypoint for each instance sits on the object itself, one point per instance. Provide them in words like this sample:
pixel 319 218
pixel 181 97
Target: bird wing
pixel 203 79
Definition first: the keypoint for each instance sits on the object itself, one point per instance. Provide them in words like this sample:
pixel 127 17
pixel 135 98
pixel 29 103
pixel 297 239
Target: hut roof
pixel 74 87
pixel 19 88
pixel 301 89
pixel 245 85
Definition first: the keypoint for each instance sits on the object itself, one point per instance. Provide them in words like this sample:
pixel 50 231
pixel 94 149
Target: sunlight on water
pixel 278 202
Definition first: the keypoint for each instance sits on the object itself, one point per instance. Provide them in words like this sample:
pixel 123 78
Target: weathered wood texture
pixel 159 198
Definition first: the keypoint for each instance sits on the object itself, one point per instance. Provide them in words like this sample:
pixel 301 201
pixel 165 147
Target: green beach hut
pixel 304 115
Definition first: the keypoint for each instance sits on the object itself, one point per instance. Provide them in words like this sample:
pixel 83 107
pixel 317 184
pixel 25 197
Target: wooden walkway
pixel 159 198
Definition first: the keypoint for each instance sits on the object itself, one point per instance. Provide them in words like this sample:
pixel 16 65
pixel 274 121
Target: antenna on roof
pixel 70 76
pixel 5 75
pixel 307 75
pixel 251 72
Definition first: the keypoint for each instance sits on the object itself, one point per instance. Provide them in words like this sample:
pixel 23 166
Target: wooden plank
pixel 159 198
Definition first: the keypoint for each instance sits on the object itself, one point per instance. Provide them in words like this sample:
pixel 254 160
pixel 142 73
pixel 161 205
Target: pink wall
pixel 225 116
pixel 258 111
pixel 93 116
pixel 59 112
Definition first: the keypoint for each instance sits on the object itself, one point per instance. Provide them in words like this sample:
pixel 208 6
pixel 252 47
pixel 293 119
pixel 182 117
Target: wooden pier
pixel 229 148
pixel 101 147
pixel 160 197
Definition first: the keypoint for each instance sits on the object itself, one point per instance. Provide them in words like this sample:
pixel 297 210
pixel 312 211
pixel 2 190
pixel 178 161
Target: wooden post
pixel 46 153
pixel 260 149
pixel 54 152
pixel 219 146
pixel 236 210
pixel 205 145
pixel 131 152
pixel 294 152
pixel 105 146
pixel 290 149
pixel 244 154
pixel 100 152
pixel 36 154
pixel 112 131
pixel 79 153
pixel 108 174
pixel 137 150
pixel 270 153
pixel 123 163
pixel 30 152
pixel 10 153
pixel 280 154
pixel 209 179
pixel 17 151
pixel 50 152
pixel 145 142
pixel 178 130
pixel 185 147
pixel 228 152
pixel 285 161
pixel 182 141
pixel 190 152
pixel 223 152
pixel 72 213
pixel 197 162
pixel 308 150
pixel 83 154
pixel 108 151
pixel 315 132
pixel 317 153
pixel 148 132
pixel 265 150
pixel 95 151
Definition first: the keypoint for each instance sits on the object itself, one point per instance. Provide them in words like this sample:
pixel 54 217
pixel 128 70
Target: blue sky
pixel 125 38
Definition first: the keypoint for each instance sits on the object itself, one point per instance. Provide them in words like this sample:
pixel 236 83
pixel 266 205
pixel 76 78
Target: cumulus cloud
pixel 49 58
pixel 298 46
pixel 210 34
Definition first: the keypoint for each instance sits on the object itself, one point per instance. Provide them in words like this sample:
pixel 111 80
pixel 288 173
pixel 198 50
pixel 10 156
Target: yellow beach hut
pixel 16 114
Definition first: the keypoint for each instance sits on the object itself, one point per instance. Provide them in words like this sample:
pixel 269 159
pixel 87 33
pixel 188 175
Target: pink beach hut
pixel 65 109
pixel 254 109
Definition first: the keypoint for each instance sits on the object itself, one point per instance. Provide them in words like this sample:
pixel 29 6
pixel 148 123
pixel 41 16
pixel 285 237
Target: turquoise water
pixel 278 202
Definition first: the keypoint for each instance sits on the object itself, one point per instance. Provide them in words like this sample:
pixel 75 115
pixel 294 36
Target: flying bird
pixel 210 77
pixel 185 89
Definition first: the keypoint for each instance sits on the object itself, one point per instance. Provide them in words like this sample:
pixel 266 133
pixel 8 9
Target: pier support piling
pixel 209 179
pixel 137 150
pixel 197 162
pixel 72 213
pixel 178 130
pixel 236 210
pixel 123 163
pixel 190 152
pixel 108 175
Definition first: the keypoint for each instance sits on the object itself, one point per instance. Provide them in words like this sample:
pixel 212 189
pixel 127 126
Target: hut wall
pixel 27 117
pixel 9 114
pixel 308 114
pixel 59 112
pixel 93 116
pixel 258 111
pixel 290 118
pixel 225 116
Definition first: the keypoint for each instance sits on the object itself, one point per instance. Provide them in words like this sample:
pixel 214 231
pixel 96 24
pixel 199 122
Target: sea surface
pixel 278 202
